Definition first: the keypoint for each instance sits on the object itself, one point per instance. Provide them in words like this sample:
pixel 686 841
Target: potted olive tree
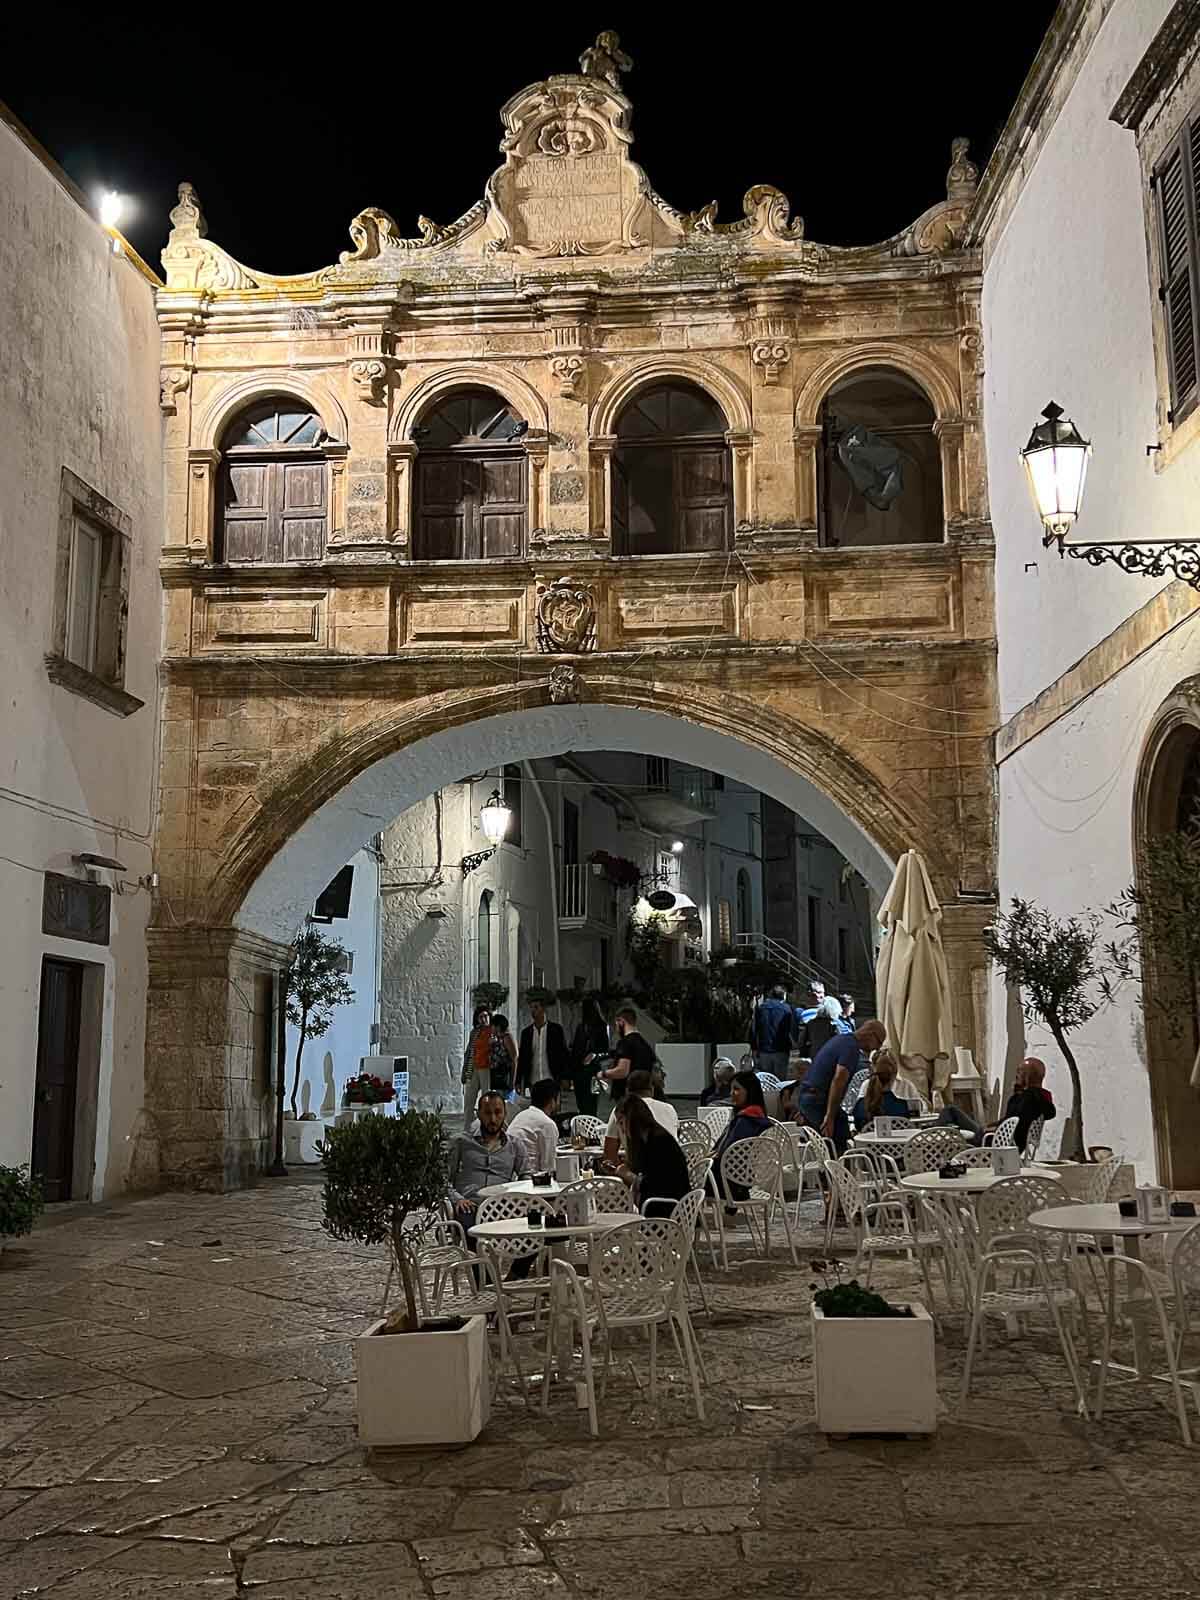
pixel 418 1383
pixel 874 1369
pixel 20 1202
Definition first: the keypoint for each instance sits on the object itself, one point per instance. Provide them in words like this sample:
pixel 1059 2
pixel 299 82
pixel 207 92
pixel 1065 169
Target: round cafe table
pixel 546 1191
pixel 976 1180
pixel 1099 1222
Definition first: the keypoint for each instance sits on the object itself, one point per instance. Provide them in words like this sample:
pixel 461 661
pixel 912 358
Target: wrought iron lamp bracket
pixel 469 863
pixel 1147 558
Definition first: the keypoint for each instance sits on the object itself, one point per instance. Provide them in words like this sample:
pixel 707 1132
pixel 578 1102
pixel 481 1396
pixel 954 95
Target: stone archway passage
pixel 327 766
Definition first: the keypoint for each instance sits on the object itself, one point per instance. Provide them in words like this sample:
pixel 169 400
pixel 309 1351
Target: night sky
pixel 287 128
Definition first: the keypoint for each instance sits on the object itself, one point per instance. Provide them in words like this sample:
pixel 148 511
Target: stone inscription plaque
pixel 569 202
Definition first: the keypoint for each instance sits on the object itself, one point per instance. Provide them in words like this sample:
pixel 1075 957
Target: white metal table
pixel 1106 1222
pixel 975 1181
pixel 545 1191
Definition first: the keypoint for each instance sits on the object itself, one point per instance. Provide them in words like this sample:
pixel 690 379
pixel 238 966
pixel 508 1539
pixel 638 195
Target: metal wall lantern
pixel 494 817
pixel 1056 462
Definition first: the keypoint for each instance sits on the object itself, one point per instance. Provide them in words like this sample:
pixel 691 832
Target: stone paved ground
pixel 177 1421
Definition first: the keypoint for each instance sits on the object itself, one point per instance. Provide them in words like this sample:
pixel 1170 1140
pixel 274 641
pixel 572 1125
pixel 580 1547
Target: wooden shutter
pixel 441 516
pixel 620 506
pixel 501 505
pixel 247 508
pixel 300 486
pixel 1177 191
pixel 702 497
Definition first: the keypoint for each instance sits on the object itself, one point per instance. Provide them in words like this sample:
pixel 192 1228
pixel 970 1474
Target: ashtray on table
pixel 952 1169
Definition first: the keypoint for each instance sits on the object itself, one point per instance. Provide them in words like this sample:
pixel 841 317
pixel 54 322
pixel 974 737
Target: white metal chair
pixel 637 1273
pixel 715 1118
pixel 769 1081
pixel 754 1165
pixel 855 1088
pixel 1004 1133
pixel 1005 1240
pixel 1098 1180
pixel 609 1195
pixel 884 1225
pixel 926 1152
pixel 1033 1139
pixel 569 1304
pixel 687 1213
pixel 590 1128
pixel 1151 1299
pixel 527 1294
pixel 972 1156
pixel 1185 1285
pixel 694 1133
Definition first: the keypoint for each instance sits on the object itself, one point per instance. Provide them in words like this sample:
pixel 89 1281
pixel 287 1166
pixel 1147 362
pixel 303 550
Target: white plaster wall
pixel 349 1036
pixel 79 358
pixel 1067 316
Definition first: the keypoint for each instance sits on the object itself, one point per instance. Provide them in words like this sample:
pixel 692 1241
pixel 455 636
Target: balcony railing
pixel 586 896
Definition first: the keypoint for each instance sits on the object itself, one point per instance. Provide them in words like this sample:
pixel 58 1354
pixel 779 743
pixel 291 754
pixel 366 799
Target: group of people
pixel 493 1060
pixel 779 1029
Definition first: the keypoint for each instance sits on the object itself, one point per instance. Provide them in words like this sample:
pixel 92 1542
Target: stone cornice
pixel 1159 67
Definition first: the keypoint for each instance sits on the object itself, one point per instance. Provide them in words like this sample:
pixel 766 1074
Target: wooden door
pixel 470 507
pixel 501 506
pixel 57 1077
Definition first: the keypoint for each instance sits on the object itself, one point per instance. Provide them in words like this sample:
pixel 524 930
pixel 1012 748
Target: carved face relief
pixel 566 687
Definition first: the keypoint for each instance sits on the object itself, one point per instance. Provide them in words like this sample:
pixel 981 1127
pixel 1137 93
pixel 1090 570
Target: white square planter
pixel 300 1140
pixel 381 1108
pixel 686 1067
pixel 422 1388
pixel 874 1374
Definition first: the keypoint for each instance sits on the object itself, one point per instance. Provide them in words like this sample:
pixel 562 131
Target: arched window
pixel 881 466
pixel 672 485
pixel 744 912
pixel 273 485
pixel 471 496
pixel 483 938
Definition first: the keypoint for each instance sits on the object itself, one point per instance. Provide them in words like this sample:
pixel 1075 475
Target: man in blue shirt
pixel 771 1039
pixel 819 1099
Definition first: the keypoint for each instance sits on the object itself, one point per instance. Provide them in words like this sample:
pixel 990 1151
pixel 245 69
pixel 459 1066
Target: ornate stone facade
pixel 568 290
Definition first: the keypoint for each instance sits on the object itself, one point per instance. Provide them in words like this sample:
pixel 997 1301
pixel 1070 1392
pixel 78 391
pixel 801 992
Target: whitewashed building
pixel 81 519
pixel 1087 217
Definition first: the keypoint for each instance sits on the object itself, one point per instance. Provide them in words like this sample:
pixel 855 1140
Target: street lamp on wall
pixel 1056 462
pixel 494 817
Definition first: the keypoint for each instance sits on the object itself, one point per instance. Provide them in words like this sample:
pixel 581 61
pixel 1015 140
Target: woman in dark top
pixel 655 1165
pixel 749 1119
pixel 503 1054
pixel 589 1048
pixel 879 1098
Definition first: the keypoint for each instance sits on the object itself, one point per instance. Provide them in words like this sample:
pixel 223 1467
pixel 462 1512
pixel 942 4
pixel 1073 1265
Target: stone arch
pixel 223 406
pixel 307 812
pixel 1171 745
pixel 725 389
pixel 468 375
pixel 914 364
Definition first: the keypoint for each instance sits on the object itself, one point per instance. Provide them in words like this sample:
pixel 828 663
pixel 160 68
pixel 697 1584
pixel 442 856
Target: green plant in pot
pixel 491 995
pixel 20 1201
pixel 852 1300
pixel 379 1171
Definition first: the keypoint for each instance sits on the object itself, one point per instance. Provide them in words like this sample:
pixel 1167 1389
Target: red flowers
pixel 368 1090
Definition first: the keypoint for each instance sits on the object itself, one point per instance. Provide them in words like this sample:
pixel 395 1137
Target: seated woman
pixel 655 1167
pixel 879 1097
pixel 749 1119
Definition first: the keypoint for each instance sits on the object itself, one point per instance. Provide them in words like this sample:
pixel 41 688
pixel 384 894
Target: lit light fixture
pixel 494 817
pixel 112 205
pixel 1056 462
pixel 677 847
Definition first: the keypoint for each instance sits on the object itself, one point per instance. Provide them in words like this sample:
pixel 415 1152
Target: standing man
pixel 481 1159
pixel 632 1054
pixel 806 1012
pixel 543 1052
pixel 771 1035
pixel 818 1100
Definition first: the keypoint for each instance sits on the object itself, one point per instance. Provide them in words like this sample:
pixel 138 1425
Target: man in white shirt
pixel 535 1129
pixel 641 1083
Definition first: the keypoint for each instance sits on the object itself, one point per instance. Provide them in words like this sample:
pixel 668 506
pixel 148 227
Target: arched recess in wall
pixel 310 812
pixel 1166 802
pixel 843 371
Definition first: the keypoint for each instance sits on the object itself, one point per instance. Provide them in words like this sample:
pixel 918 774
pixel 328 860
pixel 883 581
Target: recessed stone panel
pixel 455 617
pixel 291 617
pixel 666 613
pixel 878 604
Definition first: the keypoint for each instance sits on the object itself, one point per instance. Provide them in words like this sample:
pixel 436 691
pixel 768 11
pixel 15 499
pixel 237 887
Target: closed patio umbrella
pixel 912 983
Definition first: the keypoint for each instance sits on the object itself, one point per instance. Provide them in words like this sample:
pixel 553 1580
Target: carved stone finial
pixel 187 219
pixel 962 180
pixel 566 617
pixel 605 60
pixel 566 687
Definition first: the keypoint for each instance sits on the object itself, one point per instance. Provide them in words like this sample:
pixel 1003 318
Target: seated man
pixel 535 1128
pixel 717 1092
pixel 664 1113
pixel 818 1101
pixel 478 1160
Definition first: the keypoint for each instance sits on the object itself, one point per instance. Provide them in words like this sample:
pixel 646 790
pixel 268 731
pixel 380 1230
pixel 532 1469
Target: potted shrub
pixel 418 1384
pixel 873 1363
pixel 491 995
pixel 20 1202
